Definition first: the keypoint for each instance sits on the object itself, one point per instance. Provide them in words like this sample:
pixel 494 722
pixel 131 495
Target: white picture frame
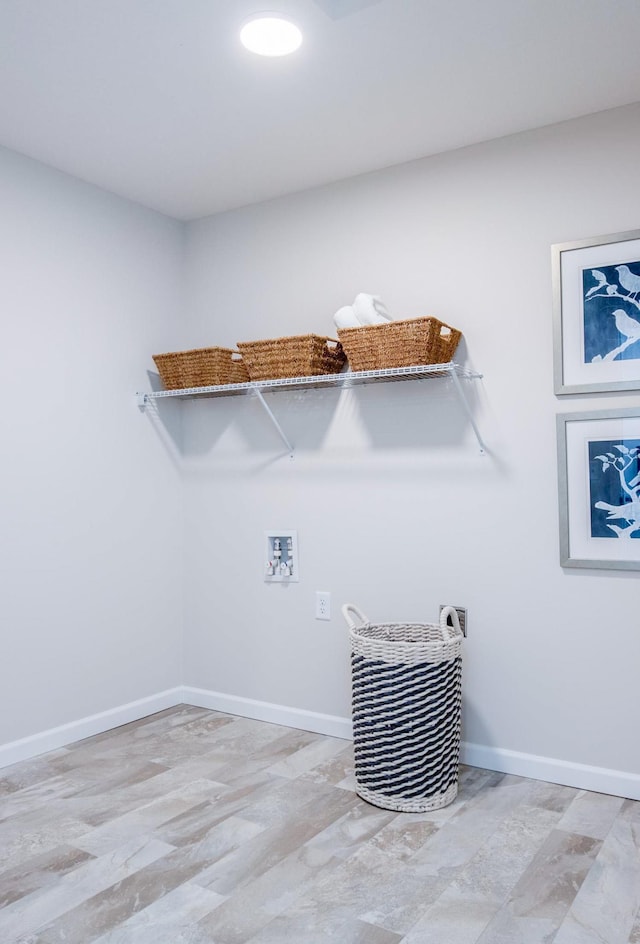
pixel 599 488
pixel 596 314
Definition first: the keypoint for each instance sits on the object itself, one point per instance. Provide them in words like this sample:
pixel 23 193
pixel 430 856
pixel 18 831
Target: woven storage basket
pixel 399 344
pixel 303 355
pixel 407 707
pixel 202 367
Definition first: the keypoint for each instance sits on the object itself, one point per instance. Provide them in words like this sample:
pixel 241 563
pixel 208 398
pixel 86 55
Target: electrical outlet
pixel 323 605
pixel 462 616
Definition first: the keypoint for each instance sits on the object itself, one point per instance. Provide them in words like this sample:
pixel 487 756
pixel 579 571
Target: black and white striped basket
pixel 407 708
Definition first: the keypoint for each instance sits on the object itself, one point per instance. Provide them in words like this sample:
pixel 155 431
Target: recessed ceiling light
pixel 270 35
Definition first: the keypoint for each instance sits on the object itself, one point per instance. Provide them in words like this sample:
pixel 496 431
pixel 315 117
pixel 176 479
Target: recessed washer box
pixel 281 564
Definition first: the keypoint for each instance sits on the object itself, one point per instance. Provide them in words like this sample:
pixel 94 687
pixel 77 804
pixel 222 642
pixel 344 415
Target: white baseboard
pixel 54 738
pixel 331 725
pixel 582 776
pixel 570 774
pixel 597 779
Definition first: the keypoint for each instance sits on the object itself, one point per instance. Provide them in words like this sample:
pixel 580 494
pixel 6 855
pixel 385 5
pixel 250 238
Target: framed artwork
pixel 599 488
pixel 596 312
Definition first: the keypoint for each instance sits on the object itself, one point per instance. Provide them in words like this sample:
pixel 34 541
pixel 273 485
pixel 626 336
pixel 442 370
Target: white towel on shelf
pixel 345 318
pixel 370 309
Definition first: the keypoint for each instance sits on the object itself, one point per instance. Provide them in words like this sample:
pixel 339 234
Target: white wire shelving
pixel 346 379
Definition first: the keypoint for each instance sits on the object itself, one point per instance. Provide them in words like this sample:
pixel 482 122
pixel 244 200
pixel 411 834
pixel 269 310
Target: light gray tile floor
pixel 196 827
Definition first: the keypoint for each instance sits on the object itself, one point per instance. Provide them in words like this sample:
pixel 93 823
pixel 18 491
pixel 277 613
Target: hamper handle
pixel 349 608
pixel 446 612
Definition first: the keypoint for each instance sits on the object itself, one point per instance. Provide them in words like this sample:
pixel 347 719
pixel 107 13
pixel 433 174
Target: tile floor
pixel 196 827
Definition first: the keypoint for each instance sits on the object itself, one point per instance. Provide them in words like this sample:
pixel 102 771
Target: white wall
pixel 90 503
pixel 395 508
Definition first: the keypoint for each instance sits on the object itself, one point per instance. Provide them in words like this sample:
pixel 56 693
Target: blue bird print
pixel 601 281
pixel 628 280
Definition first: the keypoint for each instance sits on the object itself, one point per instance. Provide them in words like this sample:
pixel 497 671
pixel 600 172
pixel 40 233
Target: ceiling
pixel 156 100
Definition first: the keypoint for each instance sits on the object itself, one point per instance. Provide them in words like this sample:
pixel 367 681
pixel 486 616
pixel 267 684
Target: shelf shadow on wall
pixel 423 414
pixel 166 418
pixel 240 425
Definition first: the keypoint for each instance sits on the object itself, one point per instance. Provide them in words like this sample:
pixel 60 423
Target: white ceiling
pixel 157 101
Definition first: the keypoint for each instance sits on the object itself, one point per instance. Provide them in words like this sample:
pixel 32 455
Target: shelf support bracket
pixel 467 409
pixel 277 425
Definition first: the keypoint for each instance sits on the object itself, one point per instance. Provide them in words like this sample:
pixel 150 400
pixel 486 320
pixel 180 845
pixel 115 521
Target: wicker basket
pixel 407 708
pixel 399 344
pixel 303 355
pixel 202 367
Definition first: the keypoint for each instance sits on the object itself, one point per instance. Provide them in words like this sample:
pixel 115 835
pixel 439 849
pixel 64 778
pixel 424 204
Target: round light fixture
pixel 270 34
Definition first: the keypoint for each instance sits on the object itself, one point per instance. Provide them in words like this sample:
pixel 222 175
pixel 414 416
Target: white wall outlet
pixel 281 562
pixel 323 605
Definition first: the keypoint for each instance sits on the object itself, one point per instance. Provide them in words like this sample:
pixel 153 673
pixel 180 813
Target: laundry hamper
pixel 407 706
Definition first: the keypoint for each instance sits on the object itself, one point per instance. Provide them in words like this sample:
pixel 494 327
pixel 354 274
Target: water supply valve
pixel 282 562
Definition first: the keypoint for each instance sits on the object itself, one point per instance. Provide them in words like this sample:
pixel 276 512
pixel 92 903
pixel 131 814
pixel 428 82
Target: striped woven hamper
pixel 407 709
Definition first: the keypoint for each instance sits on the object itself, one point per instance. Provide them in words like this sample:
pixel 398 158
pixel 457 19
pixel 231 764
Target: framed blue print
pixel 596 306
pixel 599 488
pixel 614 488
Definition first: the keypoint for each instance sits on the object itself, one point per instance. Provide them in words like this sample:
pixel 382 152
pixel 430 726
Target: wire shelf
pixel 346 379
